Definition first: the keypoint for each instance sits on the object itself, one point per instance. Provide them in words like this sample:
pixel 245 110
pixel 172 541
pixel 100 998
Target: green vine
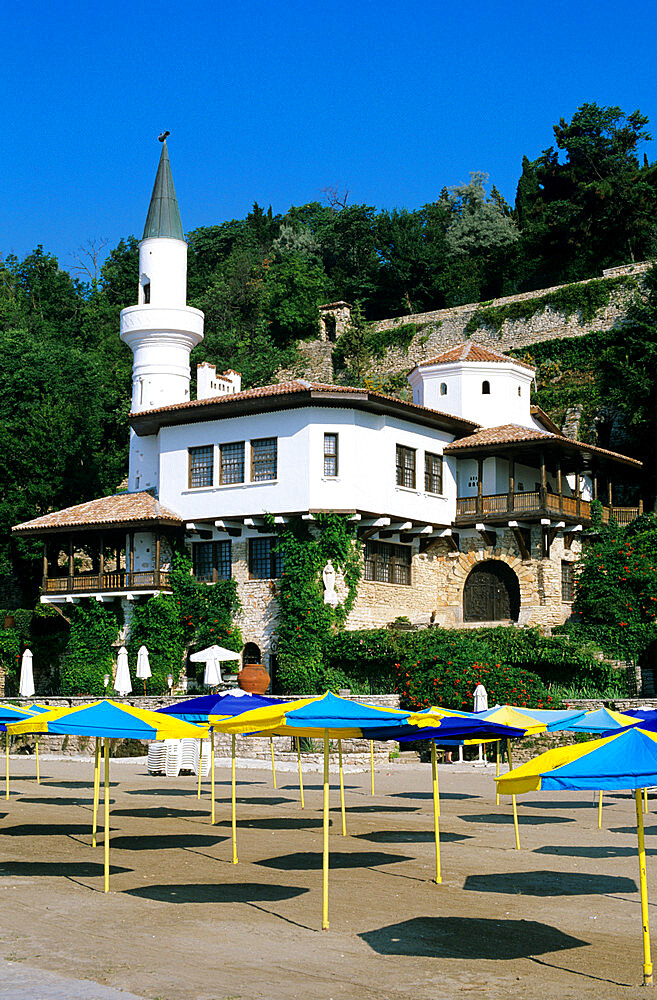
pixel 305 621
pixel 584 297
pixel 88 653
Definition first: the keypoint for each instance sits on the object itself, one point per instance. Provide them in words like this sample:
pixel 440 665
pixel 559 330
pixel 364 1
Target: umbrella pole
pixel 645 800
pixel 212 816
pixel 96 790
pixel 497 769
pixel 436 809
pixel 6 764
pixel 300 774
pixel 325 842
pixel 371 767
pixel 233 807
pixel 344 818
pixel 37 761
pixel 600 810
pixel 200 760
pixel 273 765
pixel 513 799
pixel 107 805
pixel 647 963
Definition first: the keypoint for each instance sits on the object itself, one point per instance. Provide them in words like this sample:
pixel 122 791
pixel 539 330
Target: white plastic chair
pixel 174 758
pixel 157 757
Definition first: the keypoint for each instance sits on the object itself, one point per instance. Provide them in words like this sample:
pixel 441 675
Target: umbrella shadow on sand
pixel 55 869
pixel 469 937
pixel 165 842
pixel 226 892
pixel 550 883
pixel 74 784
pixel 429 795
pixel 308 861
pixel 410 837
pixel 525 820
pixel 161 812
pixel 276 823
pixel 47 830
pixel 593 852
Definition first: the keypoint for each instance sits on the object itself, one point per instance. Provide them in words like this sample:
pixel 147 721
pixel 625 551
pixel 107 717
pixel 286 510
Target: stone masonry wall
pixel 444 328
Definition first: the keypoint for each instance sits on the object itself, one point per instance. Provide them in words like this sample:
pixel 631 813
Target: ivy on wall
pixel 583 298
pixel 305 621
pixel 88 654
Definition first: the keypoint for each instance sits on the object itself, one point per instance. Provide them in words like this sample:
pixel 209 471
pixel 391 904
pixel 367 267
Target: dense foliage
pixel 88 655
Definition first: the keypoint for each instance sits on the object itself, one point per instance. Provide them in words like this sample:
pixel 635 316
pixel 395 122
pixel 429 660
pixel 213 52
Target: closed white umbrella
pixel 122 682
pixel 480 698
pixel 212 675
pixel 26 686
pixel 143 666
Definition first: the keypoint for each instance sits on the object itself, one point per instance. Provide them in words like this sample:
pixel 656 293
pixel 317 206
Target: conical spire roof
pixel 163 217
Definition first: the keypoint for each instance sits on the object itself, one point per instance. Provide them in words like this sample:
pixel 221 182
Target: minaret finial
pixel 162 137
pixel 163 217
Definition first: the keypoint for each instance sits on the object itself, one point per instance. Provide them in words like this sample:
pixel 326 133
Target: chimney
pixel 209 384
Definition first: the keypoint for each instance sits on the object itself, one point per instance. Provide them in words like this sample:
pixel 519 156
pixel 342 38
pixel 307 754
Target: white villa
pixel 469 500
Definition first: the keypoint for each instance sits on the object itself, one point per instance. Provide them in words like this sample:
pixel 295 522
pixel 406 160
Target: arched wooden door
pixel 491 593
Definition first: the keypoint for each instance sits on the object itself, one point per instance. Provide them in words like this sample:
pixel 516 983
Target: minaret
pixel 162 329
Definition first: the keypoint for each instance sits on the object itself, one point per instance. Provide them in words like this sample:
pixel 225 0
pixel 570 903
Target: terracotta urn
pixel 253 678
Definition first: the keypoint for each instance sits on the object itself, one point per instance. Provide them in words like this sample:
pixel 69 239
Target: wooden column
pixel 70 562
pixel 157 558
pixel 132 554
pixel 594 481
pixel 480 485
pixel 512 484
pixel 543 496
pixel 610 493
pixel 101 560
pixel 560 487
pixel 578 490
pixel 45 560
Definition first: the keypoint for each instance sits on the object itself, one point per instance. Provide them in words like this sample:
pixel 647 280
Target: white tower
pixel 162 329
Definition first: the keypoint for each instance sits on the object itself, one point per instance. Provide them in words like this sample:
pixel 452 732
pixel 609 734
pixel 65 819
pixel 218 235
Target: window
pixel 567 581
pixel 147 293
pixel 386 563
pixel 264 563
pixel 443 388
pixel 201 466
pixel 485 388
pixel 406 467
pixel 330 454
pixel 433 473
pixel 519 391
pixel 263 459
pixel 231 463
pixel 212 561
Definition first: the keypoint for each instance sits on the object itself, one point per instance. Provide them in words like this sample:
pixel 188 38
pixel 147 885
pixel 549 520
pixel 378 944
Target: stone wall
pixel 259 615
pixel 443 328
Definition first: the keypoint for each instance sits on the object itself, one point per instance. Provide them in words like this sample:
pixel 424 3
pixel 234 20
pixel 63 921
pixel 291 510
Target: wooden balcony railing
pixel 85 583
pixel 537 501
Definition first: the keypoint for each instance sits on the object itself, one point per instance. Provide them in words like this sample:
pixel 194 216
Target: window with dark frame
pixel 264 453
pixel 201 466
pixel 330 454
pixel 567 581
pixel 231 463
pixel 212 561
pixel 485 387
pixel 264 563
pixel 433 472
pixel 405 466
pixel 388 563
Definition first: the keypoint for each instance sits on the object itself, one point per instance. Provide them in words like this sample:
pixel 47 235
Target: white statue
pixel 328 576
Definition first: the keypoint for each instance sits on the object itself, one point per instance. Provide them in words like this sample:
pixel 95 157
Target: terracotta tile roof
pixel 121 508
pixel 515 434
pixel 294 387
pixel 543 419
pixel 471 351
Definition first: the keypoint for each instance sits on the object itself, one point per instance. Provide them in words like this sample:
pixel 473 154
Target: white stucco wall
pixel 507 403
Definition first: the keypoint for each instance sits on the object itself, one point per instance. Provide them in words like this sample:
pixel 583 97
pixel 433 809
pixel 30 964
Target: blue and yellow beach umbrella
pixel 106 720
pixel 624 760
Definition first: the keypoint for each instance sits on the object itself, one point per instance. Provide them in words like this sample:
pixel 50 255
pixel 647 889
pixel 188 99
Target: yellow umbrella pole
pixel 647 963
pixel 371 767
pixel 233 804
pixel 200 762
pixel 513 799
pixel 342 810
pixel 107 804
pixel 212 817
pixel 600 810
pixel 273 765
pixel 300 773
pixel 645 800
pixel 436 809
pixel 96 790
pixel 37 761
pixel 325 845
pixel 6 764
pixel 497 769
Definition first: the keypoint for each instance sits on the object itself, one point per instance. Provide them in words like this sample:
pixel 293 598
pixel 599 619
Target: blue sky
pixel 272 102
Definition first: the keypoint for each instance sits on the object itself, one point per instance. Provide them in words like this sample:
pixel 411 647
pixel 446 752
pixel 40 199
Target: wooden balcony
pixel 534 505
pixel 103 583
